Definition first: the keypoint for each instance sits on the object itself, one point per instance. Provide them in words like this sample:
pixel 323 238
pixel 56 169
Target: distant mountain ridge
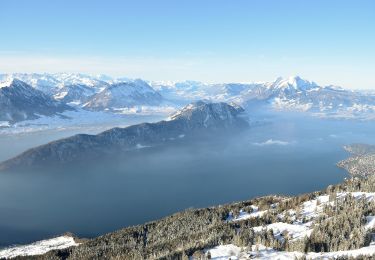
pixel 291 94
pixel 104 93
pixel 196 118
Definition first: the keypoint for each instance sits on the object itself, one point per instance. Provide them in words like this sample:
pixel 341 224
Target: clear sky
pixel 328 41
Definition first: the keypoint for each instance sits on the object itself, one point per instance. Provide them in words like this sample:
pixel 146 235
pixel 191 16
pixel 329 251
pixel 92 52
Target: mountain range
pixel 103 93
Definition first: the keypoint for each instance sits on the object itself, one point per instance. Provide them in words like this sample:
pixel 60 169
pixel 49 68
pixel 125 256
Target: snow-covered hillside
pixel 261 252
pixel 298 226
pixel 51 83
pixel 38 248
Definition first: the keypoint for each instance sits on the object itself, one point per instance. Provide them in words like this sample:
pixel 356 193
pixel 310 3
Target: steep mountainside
pixel 20 101
pixel 194 119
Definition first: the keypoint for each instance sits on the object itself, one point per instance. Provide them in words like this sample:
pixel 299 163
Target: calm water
pixel 289 156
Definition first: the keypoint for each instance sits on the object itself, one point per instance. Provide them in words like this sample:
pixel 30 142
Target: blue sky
pixel 330 42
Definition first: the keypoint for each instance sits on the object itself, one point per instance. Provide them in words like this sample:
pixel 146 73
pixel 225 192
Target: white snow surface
pixel 246 215
pixel 38 248
pixel 295 230
pixel 224 252
pixel 312 208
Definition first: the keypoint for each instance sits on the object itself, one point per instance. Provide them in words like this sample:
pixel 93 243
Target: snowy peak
pixel 293 83
pixel 79 79
pixel 14 84
pixel 7 82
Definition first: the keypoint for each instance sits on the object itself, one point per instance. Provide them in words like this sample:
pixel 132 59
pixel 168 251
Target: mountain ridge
pixel 197 118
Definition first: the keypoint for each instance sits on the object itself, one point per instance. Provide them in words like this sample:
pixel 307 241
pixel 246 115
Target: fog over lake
pixel 285 155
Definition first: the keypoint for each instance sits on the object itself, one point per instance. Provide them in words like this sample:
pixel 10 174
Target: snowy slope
pixel 309 211
pixel 261 252
pixel 38 248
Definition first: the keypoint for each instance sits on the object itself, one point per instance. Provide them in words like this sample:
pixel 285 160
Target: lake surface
pixel 291 155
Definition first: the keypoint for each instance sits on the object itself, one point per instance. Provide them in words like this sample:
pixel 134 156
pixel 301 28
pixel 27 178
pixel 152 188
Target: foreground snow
pixel 38 248
pixel 295 230
pixel 302 226
pixel 246 215
pixel 224 252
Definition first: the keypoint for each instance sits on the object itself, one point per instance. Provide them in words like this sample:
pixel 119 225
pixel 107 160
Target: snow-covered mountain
pixel 50 84
pixel 104 93
pixel 19 101
pixel 124 94
pixel 292 84
pixel 292 94
pixel 301 95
